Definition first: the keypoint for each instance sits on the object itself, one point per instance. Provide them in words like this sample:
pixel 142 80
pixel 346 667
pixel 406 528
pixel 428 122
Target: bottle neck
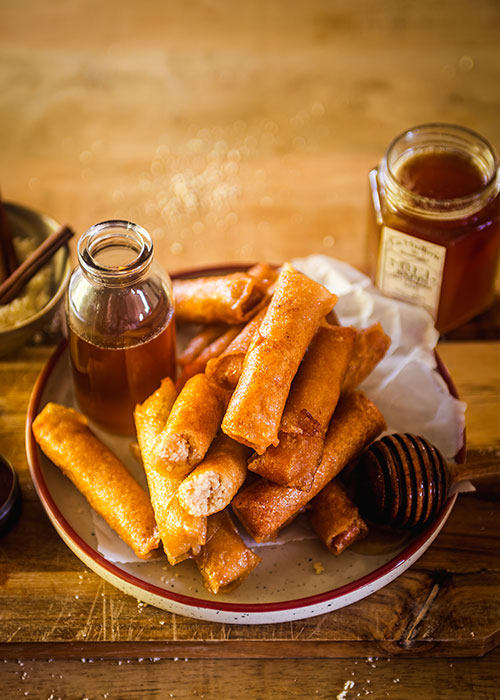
pixel 115 253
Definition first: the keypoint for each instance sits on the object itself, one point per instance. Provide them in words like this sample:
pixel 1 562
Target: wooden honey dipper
pixel 403 480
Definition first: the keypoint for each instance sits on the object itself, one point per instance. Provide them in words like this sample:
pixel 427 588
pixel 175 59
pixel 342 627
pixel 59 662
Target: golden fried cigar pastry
pixel 192 424
pixel 214 349
pixel 254 412
pixel 199 342
pixel 66 439
pixel 264 274
pixel 225 370
pixel 316 387
pixel 370 346
pixel 181 533
pixel 210 487
pixel 225 560
pixel 335 518
pixel 264 508
pixel 211 342
pixel 291 463
pixel 310 405
pixel 232 298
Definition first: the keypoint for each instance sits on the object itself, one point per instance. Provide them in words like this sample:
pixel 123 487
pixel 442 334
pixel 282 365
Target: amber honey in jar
pixel 121 327
pixel 436 203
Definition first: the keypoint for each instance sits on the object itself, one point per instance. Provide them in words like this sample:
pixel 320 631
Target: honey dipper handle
pixel 474 470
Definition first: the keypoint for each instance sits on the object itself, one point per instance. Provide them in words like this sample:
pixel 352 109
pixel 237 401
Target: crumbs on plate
pixel 318 567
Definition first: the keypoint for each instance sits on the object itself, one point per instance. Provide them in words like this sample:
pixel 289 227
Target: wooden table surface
pixel 237 132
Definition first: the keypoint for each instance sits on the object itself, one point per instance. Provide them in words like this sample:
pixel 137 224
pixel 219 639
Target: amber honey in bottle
pixel 120 324
pixel 437 221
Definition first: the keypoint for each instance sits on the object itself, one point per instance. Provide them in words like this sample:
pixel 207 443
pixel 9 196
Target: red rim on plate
pixel 364 582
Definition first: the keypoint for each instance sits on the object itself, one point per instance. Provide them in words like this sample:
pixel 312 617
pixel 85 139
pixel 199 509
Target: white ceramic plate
pixel 284 587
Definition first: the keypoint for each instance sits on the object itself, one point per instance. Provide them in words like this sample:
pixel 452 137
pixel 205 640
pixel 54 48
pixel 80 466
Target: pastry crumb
pixel 318 567
pixel 348 685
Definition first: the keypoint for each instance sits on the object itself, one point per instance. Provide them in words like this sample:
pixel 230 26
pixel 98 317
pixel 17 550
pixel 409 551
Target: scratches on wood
pixel 412 629
pixel 317 626
pixel 440 581
pixel 13 634
pixel 115 610
pixel 50 630
pixel 84 633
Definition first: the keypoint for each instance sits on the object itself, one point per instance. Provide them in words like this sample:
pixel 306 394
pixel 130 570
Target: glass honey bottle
pixel 121 329
pixel 436 208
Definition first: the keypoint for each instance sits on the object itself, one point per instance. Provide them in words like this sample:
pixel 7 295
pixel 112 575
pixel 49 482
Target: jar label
pixel 410 268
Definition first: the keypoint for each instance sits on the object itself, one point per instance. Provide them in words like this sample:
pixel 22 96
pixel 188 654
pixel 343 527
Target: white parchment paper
pixel 406 386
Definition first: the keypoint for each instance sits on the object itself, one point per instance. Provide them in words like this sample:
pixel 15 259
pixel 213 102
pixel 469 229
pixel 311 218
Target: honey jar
pixel 436 207
pixel 121 330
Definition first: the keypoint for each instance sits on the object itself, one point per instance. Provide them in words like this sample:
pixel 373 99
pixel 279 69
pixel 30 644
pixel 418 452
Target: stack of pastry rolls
pixel 262 419
pixel 288 380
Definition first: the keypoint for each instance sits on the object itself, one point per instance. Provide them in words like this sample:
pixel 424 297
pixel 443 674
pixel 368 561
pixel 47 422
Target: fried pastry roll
pixel 192 424
pixel 335 518
pixel 181 533
pixel 66 439
pixel 231 298
pixel 291 463
pixel 254 412
pixel 200 350
pixel 310 405
pixel 210 487
pixel 264 507
pixel 264 274
pixel 225 560
pixel 199 342
pixel 370 346
pixel 213 350
pixel 225 370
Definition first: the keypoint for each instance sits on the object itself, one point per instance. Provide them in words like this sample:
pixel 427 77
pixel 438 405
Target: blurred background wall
pixel 231 130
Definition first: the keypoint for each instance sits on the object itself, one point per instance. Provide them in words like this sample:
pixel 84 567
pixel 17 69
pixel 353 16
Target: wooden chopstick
pixel 11 287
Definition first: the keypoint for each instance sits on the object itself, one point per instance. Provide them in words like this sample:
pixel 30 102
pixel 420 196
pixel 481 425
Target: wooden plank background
pixel 231 131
